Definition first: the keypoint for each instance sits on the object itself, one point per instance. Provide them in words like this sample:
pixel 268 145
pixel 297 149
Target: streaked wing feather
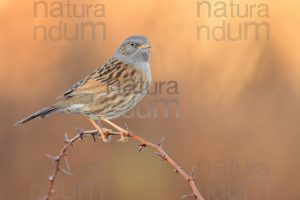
pixel 74 87
pixel 99 81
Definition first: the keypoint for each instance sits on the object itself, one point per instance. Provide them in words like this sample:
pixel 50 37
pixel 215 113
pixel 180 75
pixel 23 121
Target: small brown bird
pixel 111 90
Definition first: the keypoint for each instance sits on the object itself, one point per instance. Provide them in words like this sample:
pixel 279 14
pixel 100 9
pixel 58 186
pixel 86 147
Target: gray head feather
pixel 135 51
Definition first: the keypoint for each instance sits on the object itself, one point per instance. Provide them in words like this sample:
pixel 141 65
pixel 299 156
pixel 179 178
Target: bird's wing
pixel 104 78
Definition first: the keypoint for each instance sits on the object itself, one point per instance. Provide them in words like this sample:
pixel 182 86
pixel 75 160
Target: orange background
pixel 239 103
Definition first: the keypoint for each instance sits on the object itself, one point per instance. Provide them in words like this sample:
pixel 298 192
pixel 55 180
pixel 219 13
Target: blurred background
pixel 234 114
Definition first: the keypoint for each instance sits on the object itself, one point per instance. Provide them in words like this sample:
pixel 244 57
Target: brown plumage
pixel 112 89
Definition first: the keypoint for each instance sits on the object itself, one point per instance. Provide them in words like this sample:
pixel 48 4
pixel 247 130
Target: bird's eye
pixel 132 44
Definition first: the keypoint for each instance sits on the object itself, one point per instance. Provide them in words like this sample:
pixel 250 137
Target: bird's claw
pixel 123 138
pixel 104 139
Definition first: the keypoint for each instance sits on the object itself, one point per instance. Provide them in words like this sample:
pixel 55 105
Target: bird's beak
pixel 145 46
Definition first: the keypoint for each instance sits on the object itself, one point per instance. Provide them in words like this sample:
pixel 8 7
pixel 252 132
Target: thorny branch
pixel 108 133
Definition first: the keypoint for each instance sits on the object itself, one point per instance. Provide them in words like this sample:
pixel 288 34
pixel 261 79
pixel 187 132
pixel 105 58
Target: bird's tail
pixel 41 113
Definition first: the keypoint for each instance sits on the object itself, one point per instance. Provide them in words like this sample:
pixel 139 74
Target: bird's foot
pixel 123 133
pixel 104 137
pixel 124 137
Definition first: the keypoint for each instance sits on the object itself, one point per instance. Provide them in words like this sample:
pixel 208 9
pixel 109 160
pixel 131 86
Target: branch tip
pixel 161 141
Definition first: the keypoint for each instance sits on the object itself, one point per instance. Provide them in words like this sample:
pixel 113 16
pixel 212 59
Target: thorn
pixel 141 146
pixel 51 178
pixel 53 158
pixel 93 135
pixel 80 133
pixel 126 127
pixel 66 162
pixel 77 130
pixel 176 170
pixel 189 195
pixel 161 141
pixel 65 171
pixel 159 154
pixel 66 139
pixel 193 172
pixel 128 131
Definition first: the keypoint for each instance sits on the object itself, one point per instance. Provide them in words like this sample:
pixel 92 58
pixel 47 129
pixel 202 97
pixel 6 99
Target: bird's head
pixel 134 50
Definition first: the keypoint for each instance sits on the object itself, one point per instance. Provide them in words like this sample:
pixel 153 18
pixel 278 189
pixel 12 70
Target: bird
pixel 111 90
